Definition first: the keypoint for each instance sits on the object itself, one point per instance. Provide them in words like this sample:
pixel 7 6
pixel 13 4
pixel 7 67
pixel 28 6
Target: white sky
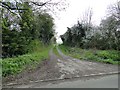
pixel 76 10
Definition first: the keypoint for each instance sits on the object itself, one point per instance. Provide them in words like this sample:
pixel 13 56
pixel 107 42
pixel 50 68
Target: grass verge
pixel 55 51
pixel 13 66
pixel 106 56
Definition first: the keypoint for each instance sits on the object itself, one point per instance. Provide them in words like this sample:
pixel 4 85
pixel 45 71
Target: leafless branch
pixel 5 5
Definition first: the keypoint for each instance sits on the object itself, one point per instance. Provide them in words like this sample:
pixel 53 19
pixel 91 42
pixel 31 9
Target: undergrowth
pixel 106 56
pixel 15 65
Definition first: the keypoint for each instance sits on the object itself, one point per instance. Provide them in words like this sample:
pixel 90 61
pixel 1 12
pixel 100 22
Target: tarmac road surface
pixel 110 81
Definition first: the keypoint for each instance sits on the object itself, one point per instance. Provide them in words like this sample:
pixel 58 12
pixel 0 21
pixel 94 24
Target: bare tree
pixel 115 10
pixel 87 21
pixel 87 16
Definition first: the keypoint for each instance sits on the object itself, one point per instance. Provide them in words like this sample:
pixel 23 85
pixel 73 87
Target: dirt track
pixel 74 67
pixel 63 67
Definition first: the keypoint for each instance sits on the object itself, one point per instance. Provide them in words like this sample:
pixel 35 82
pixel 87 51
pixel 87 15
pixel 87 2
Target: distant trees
pixel 110 28
pixel 105 36
pixel 74 35
pixel 86 21
pixel 46 31
pixel 115 10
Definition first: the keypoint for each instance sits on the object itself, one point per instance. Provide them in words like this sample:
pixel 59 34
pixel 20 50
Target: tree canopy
pixel 18 31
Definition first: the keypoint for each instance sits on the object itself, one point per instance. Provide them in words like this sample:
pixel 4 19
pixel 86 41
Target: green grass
pixel 13 66
pixel 55 51
pixel 106 56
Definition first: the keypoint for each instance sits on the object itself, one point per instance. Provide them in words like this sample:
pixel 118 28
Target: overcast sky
pixel 76 10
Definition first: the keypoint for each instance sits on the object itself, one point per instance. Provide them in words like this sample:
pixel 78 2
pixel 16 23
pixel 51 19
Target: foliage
pixel 19 33
pixel 106 36
pixel 45 27
pixel 106 56
pixel 13 66
pixel 74 35
pixel 35 46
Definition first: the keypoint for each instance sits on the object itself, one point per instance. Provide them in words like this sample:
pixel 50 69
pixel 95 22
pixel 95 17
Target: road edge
pixel 47 80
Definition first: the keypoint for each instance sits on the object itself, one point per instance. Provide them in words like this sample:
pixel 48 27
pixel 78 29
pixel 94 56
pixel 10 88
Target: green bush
pixel 35 46
pixel 114 55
